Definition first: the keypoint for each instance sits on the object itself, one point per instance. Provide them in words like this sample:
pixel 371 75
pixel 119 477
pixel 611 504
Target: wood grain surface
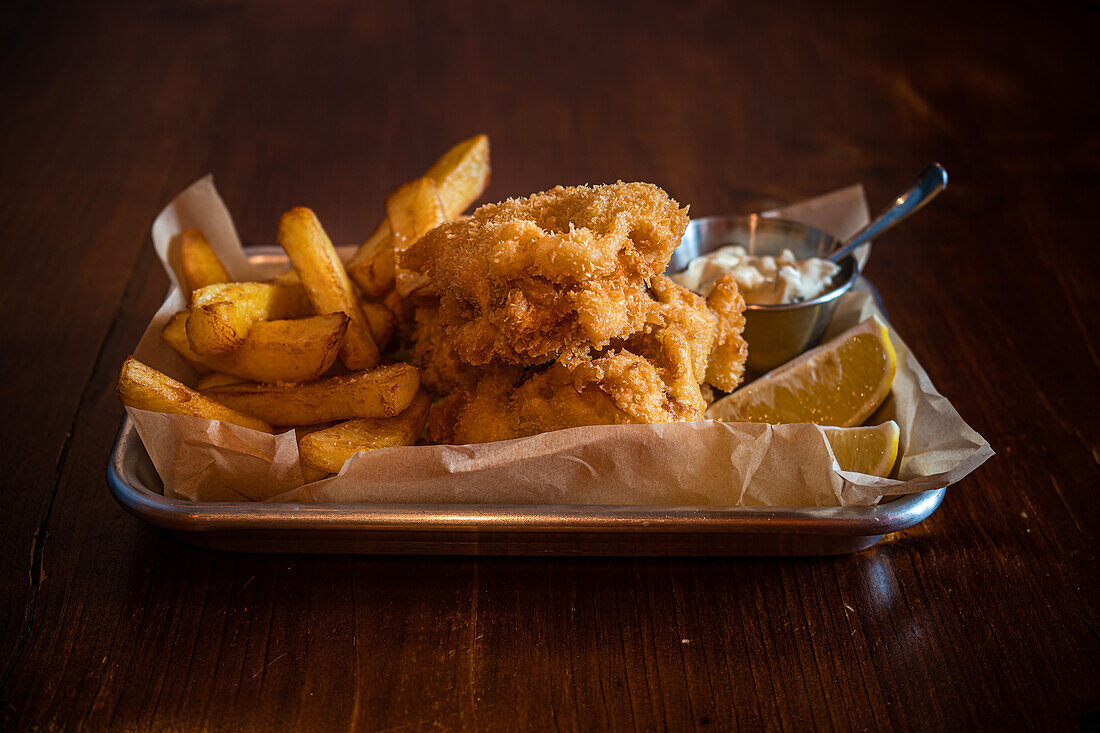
pixel 985 616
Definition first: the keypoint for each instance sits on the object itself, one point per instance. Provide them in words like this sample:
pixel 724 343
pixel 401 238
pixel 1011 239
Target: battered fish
pixel 613 389
pixel 557 274
pixel 654 375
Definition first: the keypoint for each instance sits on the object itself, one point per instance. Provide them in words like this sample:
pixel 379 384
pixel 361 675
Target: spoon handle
pixel 929 183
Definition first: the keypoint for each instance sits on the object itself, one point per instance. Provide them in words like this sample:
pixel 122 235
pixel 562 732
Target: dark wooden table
pixel 983 616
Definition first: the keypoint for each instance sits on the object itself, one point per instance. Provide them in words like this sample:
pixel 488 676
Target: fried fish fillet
pixel 654 375
pixel 613 389
pixel 677 339
pixel 557 274
pixel 726 363
pixel 441 371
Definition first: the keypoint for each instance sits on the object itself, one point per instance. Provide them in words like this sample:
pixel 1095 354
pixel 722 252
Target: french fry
pixel 218 328
pixel 326 283
pixel 174 334
pixel 270 301
pixel 382 321
pixel 461 176
pixel 412 210
pixel 371 267
pixel 329 449
pixel 402 309
pixel 274 352
pixel 310 473
pixel 145 388
pixel 382 392
pixel 200 265
pixel 223 314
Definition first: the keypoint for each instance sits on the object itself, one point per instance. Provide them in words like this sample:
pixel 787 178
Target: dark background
pixel 983 616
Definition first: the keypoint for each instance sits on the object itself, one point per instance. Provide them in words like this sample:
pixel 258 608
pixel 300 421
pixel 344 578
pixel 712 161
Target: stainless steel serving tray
pixel 492 529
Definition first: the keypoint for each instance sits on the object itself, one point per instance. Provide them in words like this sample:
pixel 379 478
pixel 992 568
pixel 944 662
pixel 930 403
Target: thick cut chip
pixel 371 267
pixel 461 176
pixel 383 392
pixel 201 267
pixel 326 283
pixel 268 301
pixel 403 309
pixel 223 314
pixel 145 388
pixel 381 319
pixel 274 352
pixel 558 274
pixel 383 323
pixel 412 210
pixel 174 334
pixel 328 449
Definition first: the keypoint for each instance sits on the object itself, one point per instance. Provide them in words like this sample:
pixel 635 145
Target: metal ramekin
pixel 775 333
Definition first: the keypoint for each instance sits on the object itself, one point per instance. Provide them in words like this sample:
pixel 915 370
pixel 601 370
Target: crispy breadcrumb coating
pixel 551 312
pixel 726 365
pixel 654 375
pixel 559 273
pixel 613 389
pixel 441 371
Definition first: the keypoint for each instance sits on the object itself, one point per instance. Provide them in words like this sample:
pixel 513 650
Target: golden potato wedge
pixel 328 449
pixel 280 298
pixel 382 321
pixel 412 210
pixel 461 175
pixel 174 334
pixel 326 283
pixel 371 267
pixel 223 314
pixel 218 328
pixel 145 388
pixel 274 352
pixel 382 392
pixel 283 351
pixel 403 309
pixel 310 473
pixel 201 267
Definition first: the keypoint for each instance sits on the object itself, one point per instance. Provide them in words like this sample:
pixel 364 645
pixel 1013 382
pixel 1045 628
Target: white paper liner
pixel 704 463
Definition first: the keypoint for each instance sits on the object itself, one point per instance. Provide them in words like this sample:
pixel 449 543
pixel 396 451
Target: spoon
pixel 929 183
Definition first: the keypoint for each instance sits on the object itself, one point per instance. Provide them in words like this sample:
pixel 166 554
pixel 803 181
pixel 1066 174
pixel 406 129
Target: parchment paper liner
pixel 704 463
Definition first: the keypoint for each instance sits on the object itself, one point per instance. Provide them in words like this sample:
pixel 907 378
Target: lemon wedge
pixel 839 383
pixel 870 450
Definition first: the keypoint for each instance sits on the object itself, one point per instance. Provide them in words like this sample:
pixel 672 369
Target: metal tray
pixel 490 529
pixel 493 529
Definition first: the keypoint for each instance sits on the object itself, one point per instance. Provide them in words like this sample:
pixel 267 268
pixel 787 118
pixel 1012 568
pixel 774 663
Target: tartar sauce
pixel 763 280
